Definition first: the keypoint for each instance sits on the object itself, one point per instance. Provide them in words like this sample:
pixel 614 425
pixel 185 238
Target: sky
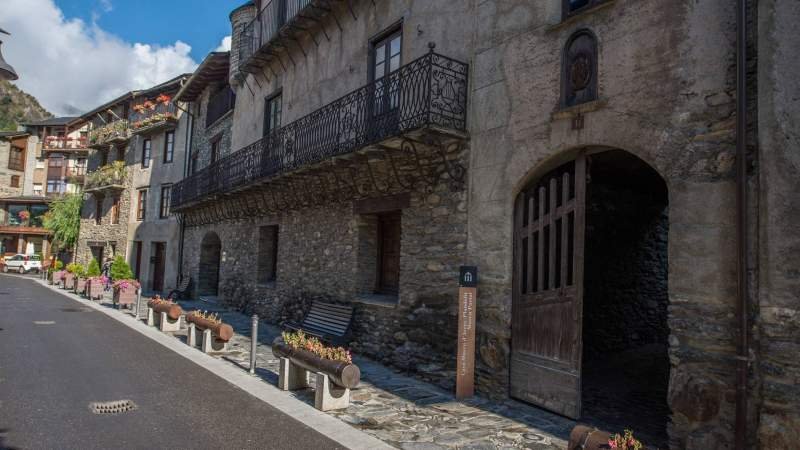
pixel 74 55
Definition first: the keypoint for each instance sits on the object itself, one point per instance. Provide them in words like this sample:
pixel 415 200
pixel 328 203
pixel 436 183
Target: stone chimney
pixel 240 17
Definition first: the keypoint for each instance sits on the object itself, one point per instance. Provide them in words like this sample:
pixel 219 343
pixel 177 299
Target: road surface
pixel 57 357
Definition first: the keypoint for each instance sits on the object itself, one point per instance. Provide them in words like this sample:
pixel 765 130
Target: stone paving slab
pixel 402 411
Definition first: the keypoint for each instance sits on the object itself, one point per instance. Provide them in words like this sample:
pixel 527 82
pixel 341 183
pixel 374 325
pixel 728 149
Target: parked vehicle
pixel 22 263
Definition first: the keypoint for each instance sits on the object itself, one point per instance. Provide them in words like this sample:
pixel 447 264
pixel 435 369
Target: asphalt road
pixel 56 357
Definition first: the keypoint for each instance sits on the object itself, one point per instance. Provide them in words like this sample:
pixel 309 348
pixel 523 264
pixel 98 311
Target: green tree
pixel 120 270
pixel 64 220
pixel 94 269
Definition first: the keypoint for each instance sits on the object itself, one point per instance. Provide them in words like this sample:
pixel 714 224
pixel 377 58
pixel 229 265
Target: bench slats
pixel 343 315
pixel 329 318
pixel 326 321
pixel 336 329
pixel 334 308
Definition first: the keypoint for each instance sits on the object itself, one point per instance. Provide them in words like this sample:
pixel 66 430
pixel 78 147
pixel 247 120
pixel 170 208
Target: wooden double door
pixel 549 224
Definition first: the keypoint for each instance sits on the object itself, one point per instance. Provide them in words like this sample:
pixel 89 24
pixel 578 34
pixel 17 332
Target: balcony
pixel 64 144
pixel 116 132
pixel 279 19
pixel 75 175
pixel 110 177
pixel 150 116
pixel 428 95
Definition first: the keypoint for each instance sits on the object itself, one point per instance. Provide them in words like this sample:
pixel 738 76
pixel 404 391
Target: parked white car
pixel 22 263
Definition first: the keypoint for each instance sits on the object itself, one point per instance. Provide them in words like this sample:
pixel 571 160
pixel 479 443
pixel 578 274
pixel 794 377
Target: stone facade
pixel 666 97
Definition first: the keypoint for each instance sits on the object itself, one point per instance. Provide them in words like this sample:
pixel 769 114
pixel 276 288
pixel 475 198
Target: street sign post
pixel 467 299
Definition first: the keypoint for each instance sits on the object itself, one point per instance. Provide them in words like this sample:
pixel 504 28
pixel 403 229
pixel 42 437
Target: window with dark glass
pixel 146 153
pixel 15 218
pixel 16 159
pixel 37 215
pixel 386 58
pixel 272 113
pixel 215 149
pixel 15 181
pixel 388 281
pixel 194 163
pixel 267 253
pixel 166 192
pixel 579 69
pixel 141 205
pixel 169 146
pixel 571 7
pixel 55 187
pixel 98 210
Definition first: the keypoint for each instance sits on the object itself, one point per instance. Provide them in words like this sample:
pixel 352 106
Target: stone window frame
pixel 147 153
pixel 115 210
pixel 16 158
pixel 267 262
pixel 98 209
pixel 593 84
pixel 14 182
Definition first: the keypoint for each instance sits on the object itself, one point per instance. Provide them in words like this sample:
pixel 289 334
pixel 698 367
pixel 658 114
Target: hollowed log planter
pixel 588 438
pixel 94 288
pixel 69 280
pixel 221 330
pixel 346 375
pixel 173 310
pixel 125 295
pixel 80 285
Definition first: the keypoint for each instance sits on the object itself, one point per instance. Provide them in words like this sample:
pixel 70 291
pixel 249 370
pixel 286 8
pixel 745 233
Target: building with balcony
pixel 582 154
pixel 137 153
pixel 17 163
pixel 61 155
pixel 21 228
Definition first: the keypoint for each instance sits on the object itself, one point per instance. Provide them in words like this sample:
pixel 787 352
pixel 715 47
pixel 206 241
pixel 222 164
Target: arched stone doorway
pixel 589 318
pixel 210 255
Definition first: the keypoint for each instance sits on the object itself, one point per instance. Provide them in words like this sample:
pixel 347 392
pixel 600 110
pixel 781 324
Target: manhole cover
pixel 117 407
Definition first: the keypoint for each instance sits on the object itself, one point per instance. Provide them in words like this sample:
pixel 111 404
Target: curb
pixel 284 402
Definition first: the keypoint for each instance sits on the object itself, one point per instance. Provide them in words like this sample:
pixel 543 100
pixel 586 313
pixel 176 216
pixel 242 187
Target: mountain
pixel 17 107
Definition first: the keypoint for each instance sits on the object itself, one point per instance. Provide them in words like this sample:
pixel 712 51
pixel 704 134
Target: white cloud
pixel 72 66
pixel 225 45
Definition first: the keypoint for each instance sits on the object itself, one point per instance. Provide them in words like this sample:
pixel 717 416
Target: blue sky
pixel 200 23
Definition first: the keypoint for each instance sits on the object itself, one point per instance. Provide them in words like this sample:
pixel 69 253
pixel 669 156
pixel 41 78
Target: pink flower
pixel 612 443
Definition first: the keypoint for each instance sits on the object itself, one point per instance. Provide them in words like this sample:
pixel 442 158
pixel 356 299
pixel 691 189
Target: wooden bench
pixel 328 322
pixel 181 291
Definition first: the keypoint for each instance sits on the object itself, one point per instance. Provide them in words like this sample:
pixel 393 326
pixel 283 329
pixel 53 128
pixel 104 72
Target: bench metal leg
pixel 167 325
pixel 211 344
pixel 291 376
pixel 328 396
pixel 151 317
pixel 191 338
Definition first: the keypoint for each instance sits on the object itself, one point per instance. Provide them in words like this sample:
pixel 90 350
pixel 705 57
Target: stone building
pixel 61 156
pixel 582 153
pixel 138 143
pixel 17 162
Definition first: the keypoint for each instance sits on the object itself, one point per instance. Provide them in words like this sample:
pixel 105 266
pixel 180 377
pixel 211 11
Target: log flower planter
pixel 125 292
pixel 173 310
pixel 94 287
pixel 342 373
pixel 80 285
pixel 69 280
pixel 219 329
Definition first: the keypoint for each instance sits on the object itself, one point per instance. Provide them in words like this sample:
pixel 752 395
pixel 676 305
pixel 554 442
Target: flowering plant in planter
pixel 625 441
pixel 299 340
pixel 24 215
pixel 163 98
pixel 149 104
pixel 126 284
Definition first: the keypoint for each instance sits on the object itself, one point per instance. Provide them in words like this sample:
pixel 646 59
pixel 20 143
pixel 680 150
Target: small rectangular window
pixel 572 7
pixel 215 149
pixel 98 210
pixel 272 113
pixel 15 181
pixel 388 263
pixel 146 153
pixel 267 253
pixel 166 193
pixel 141 205
pixel 115 211
pixel 169 146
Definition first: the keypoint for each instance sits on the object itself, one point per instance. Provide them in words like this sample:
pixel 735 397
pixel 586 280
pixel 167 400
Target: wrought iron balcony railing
pixel 153 116
pixel 112 132
pixel 428 92
pixel 262 30
pixel 64 143
pixel 106 177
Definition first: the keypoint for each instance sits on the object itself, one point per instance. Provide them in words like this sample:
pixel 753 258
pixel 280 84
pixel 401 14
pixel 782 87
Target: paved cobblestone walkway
pixel 400 410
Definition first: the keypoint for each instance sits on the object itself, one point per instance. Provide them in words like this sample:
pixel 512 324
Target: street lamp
pixel 6 71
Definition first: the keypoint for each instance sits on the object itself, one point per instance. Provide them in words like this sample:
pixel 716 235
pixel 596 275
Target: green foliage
pixel 113 173
pixel 64 220
pixel 120 270
pixel 76 269
pixel 55 267
pixel 94 269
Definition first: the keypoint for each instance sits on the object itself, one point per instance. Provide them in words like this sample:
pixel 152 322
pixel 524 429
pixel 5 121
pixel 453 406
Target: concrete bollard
pixel 253 343
pixel 138 302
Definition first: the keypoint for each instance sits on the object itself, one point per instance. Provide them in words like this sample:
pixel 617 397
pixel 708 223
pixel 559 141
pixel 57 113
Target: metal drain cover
pixel 117 407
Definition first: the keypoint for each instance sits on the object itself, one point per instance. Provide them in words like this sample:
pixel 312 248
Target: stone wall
pixel 202 136
pixel 5 173
pixel 320 258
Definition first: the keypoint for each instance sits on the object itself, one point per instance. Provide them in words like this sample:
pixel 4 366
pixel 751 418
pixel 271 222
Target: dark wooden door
pixel 389 253
pixel 548 290
pixel 159 255
pixel 137 268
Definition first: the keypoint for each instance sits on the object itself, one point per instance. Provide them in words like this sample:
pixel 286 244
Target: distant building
pixel 61 156
pixel 137 144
